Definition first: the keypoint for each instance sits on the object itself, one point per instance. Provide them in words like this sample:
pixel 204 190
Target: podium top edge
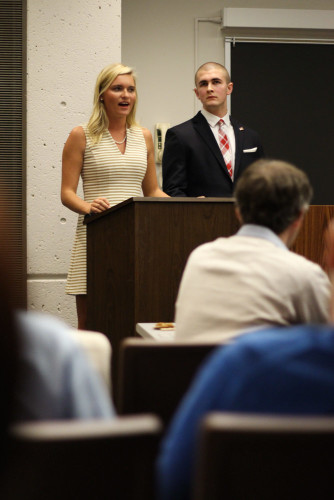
pixel 146 199
pixel 176 199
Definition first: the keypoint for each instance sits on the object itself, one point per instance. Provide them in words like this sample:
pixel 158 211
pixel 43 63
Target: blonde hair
pixel 98 121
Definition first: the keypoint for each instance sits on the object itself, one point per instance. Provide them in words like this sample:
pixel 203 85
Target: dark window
pixel 285 92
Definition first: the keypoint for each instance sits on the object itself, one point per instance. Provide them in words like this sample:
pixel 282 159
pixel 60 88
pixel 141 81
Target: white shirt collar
pixel 213 119
pixel 255 231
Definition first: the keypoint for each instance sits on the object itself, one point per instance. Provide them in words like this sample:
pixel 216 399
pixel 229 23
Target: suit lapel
pixel 239 142
pixel 203 129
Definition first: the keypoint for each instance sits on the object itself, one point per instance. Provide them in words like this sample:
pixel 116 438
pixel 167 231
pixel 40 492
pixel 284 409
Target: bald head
pixel 213 65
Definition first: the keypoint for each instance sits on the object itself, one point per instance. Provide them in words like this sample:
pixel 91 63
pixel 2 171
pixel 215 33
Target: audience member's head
pixel 273 194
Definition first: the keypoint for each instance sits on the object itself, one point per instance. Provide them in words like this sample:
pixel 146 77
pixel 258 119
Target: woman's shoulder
pixel 77 137
pixel 138 129
pixel 145 132
pixel 139 132
pixel 79 130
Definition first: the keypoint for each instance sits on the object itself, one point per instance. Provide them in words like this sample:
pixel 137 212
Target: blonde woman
pixel 115 158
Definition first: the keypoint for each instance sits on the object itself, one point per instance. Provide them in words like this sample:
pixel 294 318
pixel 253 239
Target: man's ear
pixel 238 214
pixel 196 92
pixel 298 222
pixel 229 88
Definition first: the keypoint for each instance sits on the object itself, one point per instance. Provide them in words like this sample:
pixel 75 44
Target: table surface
pixel 147 331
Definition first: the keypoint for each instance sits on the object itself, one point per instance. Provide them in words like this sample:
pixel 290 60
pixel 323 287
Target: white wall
pixel 69 42
pixel 162 49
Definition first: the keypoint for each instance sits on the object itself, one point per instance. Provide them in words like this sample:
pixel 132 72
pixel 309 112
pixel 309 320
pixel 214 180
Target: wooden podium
pixel 136 252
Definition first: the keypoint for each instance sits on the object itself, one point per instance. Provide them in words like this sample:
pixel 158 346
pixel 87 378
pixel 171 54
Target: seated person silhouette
pixel 45 374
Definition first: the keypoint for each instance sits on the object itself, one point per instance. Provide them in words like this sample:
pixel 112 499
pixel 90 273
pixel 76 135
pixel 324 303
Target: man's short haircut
pixel 210 65
pixel 272 193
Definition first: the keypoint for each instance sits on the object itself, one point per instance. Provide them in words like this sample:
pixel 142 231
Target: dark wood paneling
pixel 166 234
pixel 310 241
pixel 170 365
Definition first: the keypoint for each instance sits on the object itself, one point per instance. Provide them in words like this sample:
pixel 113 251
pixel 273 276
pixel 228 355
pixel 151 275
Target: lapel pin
pixel 241 128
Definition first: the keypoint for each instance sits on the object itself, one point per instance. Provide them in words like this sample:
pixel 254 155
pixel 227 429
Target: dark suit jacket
pixel 193 164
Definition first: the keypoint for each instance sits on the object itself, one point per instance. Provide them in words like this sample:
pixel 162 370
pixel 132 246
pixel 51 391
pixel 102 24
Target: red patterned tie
pixel 225 147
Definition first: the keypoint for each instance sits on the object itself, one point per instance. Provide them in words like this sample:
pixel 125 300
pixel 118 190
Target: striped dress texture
pixel 107 173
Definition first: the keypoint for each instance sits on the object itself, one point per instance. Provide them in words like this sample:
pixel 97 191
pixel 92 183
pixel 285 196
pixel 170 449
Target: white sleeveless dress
pixel 108 173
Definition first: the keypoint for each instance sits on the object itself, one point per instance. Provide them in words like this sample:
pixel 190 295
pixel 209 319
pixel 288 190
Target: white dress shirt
pixel 246 281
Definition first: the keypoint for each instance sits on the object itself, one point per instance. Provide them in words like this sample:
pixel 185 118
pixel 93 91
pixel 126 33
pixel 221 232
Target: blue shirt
pixel 56 379
pixel 275 371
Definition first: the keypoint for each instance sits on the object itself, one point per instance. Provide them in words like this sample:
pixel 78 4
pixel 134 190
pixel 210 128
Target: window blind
pixel 13 30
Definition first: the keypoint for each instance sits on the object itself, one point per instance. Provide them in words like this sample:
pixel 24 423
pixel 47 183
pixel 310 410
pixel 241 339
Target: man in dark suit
pixel 205 156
